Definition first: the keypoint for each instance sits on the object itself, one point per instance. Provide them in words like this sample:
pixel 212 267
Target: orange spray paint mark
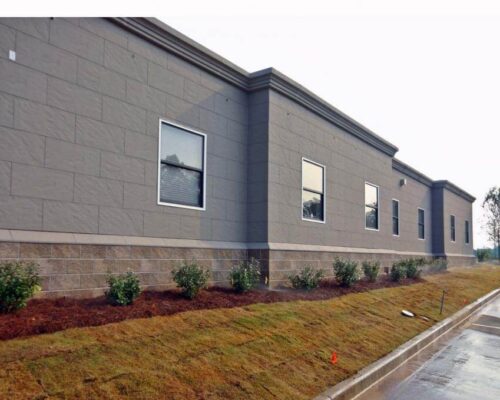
pixel 334 358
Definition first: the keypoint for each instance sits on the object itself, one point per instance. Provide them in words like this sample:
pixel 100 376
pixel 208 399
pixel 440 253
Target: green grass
pixel 279 350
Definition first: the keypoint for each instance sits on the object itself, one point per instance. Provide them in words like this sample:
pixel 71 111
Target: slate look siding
pixel 79 133
pixel 79 121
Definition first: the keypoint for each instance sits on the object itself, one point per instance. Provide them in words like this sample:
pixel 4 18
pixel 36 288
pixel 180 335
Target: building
pixel 126 145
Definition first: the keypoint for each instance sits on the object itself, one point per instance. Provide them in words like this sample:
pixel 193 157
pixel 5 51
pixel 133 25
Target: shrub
pixel 307 278
pixel 398 272
pixel 407 268
pixel 483 254
pixel 245 275
pixel 371 270
pixel 123 289
pixel 420 261
pixel 412 270
pixel 18 282
pixel 439 265
pixel 190 278
pixel 346 271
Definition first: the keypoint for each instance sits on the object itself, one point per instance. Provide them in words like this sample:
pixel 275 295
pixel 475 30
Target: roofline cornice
pixel 275 80
pixel 400 166
pixel 176 43
pixel 454 189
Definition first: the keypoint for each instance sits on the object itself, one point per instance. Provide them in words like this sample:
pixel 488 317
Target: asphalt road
pixel 464 364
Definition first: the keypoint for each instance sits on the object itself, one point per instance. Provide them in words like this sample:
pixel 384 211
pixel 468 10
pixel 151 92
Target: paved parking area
pixel 463 365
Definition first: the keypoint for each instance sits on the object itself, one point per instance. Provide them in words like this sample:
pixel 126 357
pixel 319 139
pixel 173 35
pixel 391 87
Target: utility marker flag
pixel 334 358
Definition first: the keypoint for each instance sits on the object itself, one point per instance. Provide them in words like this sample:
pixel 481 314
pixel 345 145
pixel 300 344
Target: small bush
pixel 18 283
pixel 307 278
pixel 123 289
pixel 407 268
pixel 346 272
pixel 398 272
pixel 420 261
pixel 439 265
pixel 483 254
pixel 371 270
pixel 190 278
pixel 245 275
pixel 412 270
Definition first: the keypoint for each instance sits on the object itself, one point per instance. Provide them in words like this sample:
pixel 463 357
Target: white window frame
pixel 302 190
pixel 454 228
pixel 378 206
pixel 205 144
pixel 392 218
pixel 425 235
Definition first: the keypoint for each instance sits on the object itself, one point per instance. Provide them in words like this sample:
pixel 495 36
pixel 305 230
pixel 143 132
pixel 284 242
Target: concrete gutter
pixel 370 375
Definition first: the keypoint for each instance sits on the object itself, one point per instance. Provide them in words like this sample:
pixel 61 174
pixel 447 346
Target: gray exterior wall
pixel 412 196
pixel 79 133
pixel 79 128
pixel 295 133
pixel 438 221
pixel 455 205
pixel 258 167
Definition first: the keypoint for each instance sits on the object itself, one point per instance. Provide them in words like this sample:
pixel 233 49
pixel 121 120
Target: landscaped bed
pixel 51 315
pixel 260 351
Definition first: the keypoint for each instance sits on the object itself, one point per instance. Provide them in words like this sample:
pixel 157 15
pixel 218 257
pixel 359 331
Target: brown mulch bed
pixel 51 315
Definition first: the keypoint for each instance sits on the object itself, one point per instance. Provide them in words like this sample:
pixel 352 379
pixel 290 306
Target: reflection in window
pixel 181 166
pixel 421 224
pixel 312 191
pixel 371 206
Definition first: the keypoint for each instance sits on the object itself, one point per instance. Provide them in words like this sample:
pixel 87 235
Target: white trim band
pixel 97 239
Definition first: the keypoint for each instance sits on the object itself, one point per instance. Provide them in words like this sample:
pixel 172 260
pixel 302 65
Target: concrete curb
pixel 371 374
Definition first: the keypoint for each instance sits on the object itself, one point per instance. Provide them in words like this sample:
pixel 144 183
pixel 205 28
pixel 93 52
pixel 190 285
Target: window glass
pixel 180 186
pixel 181 147
pixel 452 228
pixel 371 218
pixel 371 206
pixel 371 195
pixel 312 191
pixel 421 224
pixel 467 232
pixel 182 155
pixel 312 205
pixel 395 217
pixel 312 176
pixel 395 227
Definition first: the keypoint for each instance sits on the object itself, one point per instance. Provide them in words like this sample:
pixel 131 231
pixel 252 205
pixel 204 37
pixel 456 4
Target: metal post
pixel 442 303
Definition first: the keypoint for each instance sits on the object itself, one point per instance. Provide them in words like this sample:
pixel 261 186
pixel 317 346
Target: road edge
pixel 374 372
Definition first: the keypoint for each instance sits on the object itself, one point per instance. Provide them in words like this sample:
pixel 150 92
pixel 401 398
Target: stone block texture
pixel 81 270
pixel 79 128
pixel 79 124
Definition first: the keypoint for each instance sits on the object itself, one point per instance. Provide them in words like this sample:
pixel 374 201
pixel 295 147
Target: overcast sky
pixel 424 74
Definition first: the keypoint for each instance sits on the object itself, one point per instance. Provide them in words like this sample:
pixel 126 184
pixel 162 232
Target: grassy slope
pixel 279 350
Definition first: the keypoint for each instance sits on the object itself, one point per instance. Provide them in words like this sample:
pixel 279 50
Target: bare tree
pixel 491 206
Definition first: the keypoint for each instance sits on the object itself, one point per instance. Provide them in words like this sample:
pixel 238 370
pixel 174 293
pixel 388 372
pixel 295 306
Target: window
pixel 181 169
pixel 371 206
pixel 452 228
pixel 467 232
pixel 313 191
pixel 421 223
pixel 395 217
